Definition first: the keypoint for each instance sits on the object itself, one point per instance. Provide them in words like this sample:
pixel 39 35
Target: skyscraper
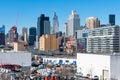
pixel 13 35
pixel 55 23
pixel 51 30
pixel 24 34
pixel 66 29
pixel 32 36
pixel 73 23
pixel 92 22
pixel 2 35
pixel 2 29
pixel 43 25
pixel 112 19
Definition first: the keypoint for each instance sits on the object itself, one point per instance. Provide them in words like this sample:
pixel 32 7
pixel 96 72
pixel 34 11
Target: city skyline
pixel 24 13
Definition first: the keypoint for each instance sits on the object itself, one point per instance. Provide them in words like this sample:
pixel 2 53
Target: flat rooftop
pixel 107 54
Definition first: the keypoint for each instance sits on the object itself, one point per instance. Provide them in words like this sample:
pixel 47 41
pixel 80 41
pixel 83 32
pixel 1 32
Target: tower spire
pixel 55 23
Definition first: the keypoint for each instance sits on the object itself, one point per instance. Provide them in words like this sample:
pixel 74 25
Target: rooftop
pixel 106 54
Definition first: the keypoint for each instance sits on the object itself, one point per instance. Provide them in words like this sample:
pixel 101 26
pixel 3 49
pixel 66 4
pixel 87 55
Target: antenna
pixel 16 20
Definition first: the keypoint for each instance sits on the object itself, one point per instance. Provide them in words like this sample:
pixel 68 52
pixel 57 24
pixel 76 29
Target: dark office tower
pixel 2 29
pixel 58 34
pixel 2 35
pixel 32 36
pixel 112 19
pixel 43 25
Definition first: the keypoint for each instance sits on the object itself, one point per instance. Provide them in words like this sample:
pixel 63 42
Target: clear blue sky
pixel 29 10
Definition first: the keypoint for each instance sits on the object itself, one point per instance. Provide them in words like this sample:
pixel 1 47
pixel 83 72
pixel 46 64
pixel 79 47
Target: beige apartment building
pixel 92 22
pixel 48 42
pixel 20 46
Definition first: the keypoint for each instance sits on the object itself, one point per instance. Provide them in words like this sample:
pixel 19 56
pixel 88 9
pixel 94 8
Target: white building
pixel 104 66
pixel 18 58
pixel 73 23
pixel 104 39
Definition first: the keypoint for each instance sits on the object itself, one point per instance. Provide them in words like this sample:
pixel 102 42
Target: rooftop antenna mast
pixel 16 20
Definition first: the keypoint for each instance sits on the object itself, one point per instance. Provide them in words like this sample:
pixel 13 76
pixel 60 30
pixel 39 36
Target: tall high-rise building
pixel 51 30
pixel 32 36
pixel 66 29
pixel 112 19
pixel 2 29
pixel 13 35
pixel 55 23
pixel 43 25
pixel 24 34
pixel 92 22
pixel 2 35
pixel 73 23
